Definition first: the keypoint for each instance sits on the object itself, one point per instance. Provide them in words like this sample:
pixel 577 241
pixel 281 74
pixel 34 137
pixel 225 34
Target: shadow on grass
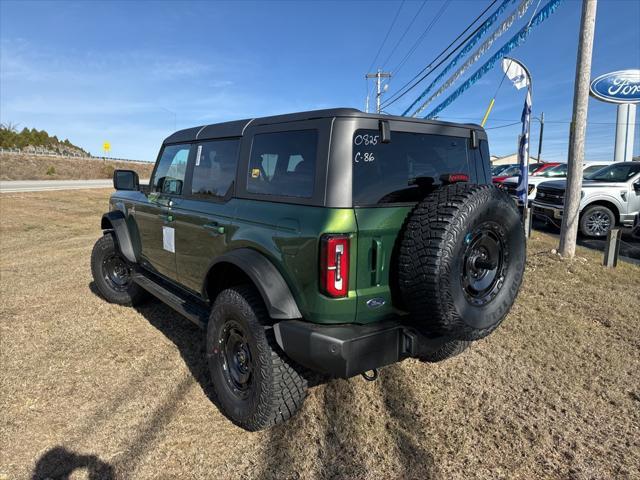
pixel 60 463
pixel 401 403
pixel 340 453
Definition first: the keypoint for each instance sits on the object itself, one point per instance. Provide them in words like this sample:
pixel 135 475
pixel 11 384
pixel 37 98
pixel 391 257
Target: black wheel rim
pixel 598 223
pixel 116 272
pixel 484 263
pixel 236 359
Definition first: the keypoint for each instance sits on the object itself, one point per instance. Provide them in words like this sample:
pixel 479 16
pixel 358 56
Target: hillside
pixel 14 166
pixel 32 140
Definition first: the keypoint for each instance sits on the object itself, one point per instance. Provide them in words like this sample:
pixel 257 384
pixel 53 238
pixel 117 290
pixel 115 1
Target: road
pixel 13 186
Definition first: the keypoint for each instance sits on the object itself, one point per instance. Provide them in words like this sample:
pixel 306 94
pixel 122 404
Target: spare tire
pixel 461 261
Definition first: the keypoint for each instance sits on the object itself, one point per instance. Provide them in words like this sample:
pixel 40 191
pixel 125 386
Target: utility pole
pixel 540 139
pixel 379 75
pixel 570 217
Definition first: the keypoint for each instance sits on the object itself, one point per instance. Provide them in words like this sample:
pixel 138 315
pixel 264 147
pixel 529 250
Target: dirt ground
pixel 40 167
pixel 90 388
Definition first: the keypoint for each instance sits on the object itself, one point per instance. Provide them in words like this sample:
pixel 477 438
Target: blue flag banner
pixel 523 152
pixel 465 50
pixel 515 41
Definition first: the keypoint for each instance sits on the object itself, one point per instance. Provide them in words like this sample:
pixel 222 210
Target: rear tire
pixel 112 274
pixel 461 261
pixel 448 350
pixel 255 385
pixel 596 221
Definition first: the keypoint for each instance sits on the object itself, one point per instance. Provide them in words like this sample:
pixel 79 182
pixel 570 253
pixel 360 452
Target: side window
pixel 215 168
pixel 171 169
pixel 283 163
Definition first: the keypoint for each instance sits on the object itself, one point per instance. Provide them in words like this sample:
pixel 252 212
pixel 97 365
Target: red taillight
pixel 334 265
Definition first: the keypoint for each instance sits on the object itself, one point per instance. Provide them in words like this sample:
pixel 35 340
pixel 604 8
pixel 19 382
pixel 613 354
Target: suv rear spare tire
pixel 461 260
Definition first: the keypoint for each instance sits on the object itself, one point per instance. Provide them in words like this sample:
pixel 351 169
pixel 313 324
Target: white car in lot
pixel 554 173
pixel 609 197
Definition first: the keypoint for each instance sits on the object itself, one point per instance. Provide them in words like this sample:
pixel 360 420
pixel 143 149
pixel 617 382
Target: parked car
pixel 506 173
pixel 497 169
pixel 553 173
pixel 610 196
pixel 635 231
pixel 539 168
pixel 332 241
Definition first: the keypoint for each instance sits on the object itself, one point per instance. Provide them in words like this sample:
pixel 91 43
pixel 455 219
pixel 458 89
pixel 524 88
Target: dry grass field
pixel 39 167
pixel 90 388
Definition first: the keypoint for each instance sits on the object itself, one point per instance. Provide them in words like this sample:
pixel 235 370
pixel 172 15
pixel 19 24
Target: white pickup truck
pixel 554 173
pixel 610 197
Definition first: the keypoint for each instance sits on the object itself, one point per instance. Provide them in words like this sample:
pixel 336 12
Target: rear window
pixel 406 169
pixel 283 163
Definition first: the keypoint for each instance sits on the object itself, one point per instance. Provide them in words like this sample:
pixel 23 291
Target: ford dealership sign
pixel 617 87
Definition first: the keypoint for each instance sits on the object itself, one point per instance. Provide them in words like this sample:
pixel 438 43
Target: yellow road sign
pixel 106 146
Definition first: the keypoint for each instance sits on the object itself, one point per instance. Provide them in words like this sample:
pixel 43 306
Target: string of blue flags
pixel 515 41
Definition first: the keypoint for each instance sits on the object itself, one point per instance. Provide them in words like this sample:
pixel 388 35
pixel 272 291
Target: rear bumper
pixel 350 349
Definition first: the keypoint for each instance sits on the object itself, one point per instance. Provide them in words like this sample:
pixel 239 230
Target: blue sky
pixel 131 72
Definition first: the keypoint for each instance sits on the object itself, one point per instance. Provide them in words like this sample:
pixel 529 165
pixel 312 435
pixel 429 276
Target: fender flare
pixel 117 222
pixel 272 287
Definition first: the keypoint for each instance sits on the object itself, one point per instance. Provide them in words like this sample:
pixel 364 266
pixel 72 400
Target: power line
pixel 401 94
pixel 406 30
pixel 386 36
pixel 422 37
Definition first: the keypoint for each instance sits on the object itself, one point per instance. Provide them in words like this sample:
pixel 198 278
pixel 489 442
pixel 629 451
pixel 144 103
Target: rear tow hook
pixel 370 377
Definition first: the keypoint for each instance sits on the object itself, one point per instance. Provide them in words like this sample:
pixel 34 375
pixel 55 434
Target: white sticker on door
pixel 169 239
pixel 198 155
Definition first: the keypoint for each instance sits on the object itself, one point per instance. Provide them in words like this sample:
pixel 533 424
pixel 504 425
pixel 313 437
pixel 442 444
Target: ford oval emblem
pixel 617 87
pixel 375 302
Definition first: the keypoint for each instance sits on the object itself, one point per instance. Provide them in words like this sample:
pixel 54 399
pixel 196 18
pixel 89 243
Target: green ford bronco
pixel 317 244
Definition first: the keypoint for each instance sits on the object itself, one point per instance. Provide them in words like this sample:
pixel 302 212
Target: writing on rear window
pixel 366 139
pixel 407 168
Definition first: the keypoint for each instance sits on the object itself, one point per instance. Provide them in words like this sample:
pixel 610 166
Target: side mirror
pixel 125 180
pixel 636 187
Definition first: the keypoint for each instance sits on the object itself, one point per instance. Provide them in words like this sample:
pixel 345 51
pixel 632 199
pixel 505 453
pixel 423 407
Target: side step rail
pixel 173 298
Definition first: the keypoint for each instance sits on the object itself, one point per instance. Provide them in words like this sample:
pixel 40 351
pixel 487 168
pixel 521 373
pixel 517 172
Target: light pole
pixel 571 213
pixel 541 120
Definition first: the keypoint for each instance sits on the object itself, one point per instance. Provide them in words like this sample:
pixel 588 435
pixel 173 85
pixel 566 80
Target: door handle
pixel 214 228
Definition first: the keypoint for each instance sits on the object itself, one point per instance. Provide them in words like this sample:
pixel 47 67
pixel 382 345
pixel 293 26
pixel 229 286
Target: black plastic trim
pixel 272 287
pixel 349 349
pixel 116 221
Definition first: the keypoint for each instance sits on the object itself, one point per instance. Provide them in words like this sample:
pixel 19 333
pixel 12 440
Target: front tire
pixel 255 385
pixel 112 273
pixel 596 221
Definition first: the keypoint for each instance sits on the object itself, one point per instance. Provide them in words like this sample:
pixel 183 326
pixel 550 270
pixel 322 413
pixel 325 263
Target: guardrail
pixel 44 153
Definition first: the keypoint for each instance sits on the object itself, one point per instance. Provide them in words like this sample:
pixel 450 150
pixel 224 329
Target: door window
pixel 215 168
pixel 171 169
pixel 283 163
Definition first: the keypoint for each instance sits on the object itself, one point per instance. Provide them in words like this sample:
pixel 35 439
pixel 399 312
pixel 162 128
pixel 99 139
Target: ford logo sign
pixel 375 302
pixel 617 87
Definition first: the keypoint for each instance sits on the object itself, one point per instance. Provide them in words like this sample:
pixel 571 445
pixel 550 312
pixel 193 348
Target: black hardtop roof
pixel 236 128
